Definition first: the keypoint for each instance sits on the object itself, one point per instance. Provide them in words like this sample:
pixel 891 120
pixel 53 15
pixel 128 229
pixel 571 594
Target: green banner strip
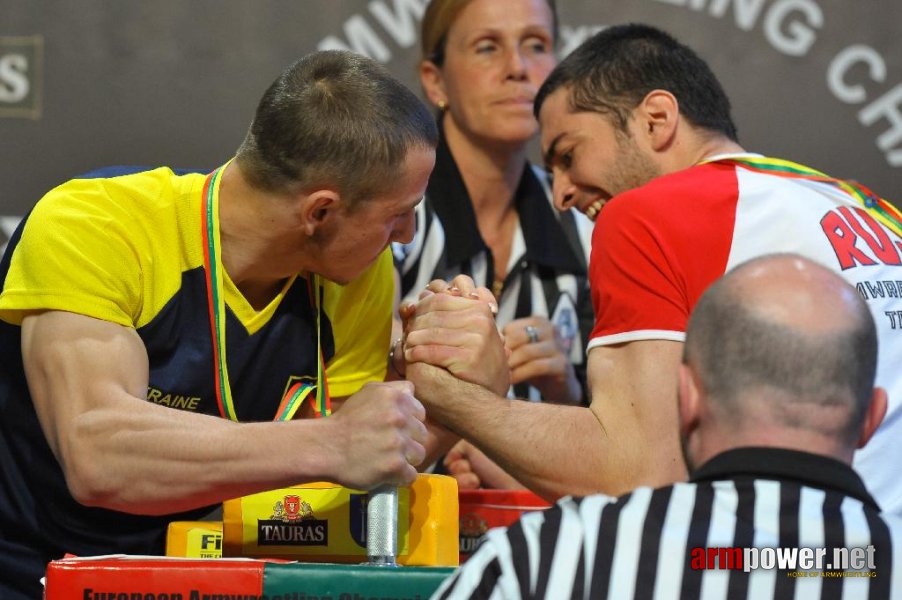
pixel 351 582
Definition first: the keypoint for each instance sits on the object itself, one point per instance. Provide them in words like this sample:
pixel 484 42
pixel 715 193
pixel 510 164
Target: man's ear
pixel 318 207
pixel 658 115
pixel 873 416
pixel 433 83
pixel 689 398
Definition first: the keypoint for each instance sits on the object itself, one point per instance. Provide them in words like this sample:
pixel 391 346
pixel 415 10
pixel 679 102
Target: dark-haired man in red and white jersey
pixel 637 133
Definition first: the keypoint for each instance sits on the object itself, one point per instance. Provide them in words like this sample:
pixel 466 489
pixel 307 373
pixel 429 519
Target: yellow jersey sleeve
pixel 76 254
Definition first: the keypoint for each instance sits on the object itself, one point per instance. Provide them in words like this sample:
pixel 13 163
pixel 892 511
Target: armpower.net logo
pixel 798 562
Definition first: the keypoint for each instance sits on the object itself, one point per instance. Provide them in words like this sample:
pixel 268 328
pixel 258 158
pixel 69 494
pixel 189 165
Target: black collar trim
pixel 780 463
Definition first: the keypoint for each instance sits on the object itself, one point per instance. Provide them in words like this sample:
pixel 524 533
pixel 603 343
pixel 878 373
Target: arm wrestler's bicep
pixel 75 366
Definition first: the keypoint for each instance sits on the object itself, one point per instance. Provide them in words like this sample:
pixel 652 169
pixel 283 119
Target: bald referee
pixel 776 392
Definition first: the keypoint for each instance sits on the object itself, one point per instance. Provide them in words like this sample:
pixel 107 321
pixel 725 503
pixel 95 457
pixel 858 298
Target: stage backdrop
pixel 173 82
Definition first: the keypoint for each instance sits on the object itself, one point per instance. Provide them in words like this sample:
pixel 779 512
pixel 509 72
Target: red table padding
pixel 86 578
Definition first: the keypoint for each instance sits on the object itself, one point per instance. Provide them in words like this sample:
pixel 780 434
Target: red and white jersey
pixel 657 248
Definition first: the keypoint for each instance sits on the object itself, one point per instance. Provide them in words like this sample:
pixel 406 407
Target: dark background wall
pixel 175 82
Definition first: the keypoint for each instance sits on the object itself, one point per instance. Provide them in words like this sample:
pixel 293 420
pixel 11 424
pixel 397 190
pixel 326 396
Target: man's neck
pixel 696 148
pixel 717 440
pixel 255 238
pixel 490 172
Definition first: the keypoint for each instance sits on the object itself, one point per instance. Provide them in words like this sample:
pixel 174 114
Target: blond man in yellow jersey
pixel 138 311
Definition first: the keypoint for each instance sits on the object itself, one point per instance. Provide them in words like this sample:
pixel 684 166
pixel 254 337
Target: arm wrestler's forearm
pixel 152 460
pixel 554 450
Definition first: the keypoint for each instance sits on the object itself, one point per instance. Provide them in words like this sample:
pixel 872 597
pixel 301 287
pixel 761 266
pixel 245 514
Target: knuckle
pixel 396 465
pixel 396 419
pixel 394 446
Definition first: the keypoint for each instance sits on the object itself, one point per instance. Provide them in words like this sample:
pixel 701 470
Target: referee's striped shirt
pixel 547 273
pixel 648 543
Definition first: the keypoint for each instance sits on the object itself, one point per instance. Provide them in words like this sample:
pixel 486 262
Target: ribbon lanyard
pixel 882 210
pixel 213 277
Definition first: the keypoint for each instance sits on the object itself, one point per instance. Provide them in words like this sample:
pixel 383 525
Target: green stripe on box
pixel 351 582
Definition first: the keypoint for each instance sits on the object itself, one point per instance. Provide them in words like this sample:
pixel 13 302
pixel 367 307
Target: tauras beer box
pixel 160 578
pixel 324 522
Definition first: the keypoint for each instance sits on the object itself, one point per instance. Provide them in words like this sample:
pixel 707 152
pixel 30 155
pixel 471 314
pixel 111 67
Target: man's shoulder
pixel 702 195
pixel 693 185
pixel 113 185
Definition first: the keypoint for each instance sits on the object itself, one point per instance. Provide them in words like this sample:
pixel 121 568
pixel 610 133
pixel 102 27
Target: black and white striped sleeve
pixel 542 555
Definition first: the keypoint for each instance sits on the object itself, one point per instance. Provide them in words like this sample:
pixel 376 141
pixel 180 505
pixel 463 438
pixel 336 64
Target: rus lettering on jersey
pixel 858 239
pixel 172 400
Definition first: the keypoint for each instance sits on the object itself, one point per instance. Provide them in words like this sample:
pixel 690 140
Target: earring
pixel 442 105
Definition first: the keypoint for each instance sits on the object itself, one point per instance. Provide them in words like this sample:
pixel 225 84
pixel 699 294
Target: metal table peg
pixel 382 526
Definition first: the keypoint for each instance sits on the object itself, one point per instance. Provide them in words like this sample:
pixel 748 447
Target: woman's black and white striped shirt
pixel 547 274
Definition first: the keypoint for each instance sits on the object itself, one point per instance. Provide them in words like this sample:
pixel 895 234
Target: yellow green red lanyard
pixel 298 392
pixel 882 210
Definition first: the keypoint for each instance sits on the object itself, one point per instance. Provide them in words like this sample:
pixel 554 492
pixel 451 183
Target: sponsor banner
pixel 156 578
pixel 815 81
pixel 21 72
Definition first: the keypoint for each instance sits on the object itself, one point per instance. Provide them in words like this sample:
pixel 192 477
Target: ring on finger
pixel 532 333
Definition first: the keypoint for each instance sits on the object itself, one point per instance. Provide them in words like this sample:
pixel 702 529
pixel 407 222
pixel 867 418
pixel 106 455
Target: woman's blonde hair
pixel 438 18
